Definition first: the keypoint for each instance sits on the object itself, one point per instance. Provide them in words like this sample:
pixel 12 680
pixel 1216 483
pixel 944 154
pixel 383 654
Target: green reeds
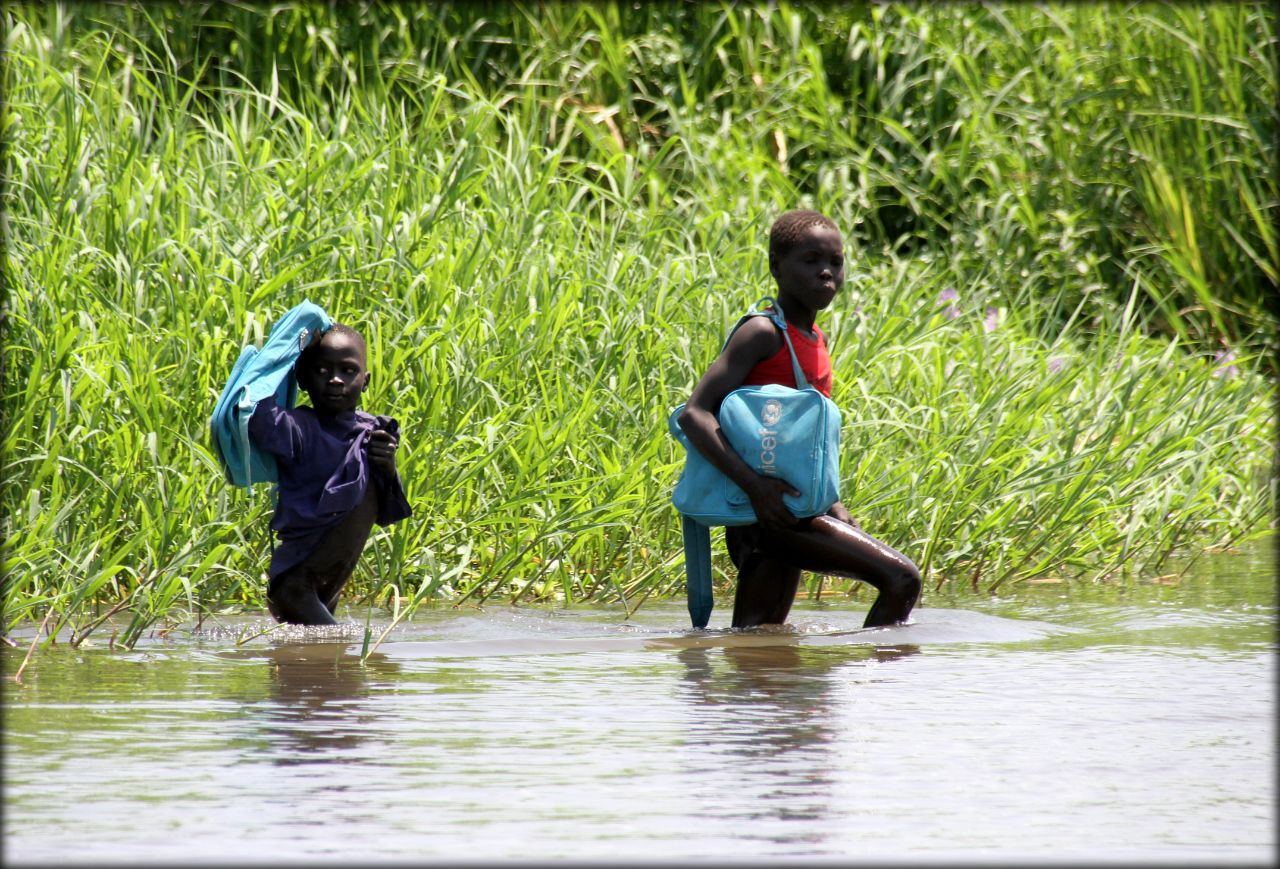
pixel 544 219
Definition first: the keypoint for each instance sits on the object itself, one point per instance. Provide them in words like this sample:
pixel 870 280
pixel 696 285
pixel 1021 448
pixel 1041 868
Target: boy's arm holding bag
pixel 791 435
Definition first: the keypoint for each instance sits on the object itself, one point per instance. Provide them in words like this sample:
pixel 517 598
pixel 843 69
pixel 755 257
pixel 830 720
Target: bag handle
pixel 768 307
pixel 697 570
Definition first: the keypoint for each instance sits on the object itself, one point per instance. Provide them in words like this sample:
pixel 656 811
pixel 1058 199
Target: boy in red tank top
pixel 806 259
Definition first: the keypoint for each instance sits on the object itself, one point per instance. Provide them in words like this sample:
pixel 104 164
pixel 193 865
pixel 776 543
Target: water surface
pixel 1070 722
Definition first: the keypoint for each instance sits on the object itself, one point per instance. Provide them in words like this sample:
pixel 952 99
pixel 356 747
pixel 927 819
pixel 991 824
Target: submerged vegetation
pixel 1054 351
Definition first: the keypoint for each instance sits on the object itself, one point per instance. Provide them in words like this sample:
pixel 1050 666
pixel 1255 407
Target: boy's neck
pixel 797 315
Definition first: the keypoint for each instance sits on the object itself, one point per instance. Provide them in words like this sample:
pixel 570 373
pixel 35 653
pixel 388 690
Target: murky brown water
pixel 1067 723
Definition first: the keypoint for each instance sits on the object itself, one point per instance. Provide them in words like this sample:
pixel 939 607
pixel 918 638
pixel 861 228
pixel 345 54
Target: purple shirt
pixel 324 471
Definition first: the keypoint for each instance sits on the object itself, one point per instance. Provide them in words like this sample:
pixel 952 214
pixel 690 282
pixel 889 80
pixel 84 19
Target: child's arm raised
pixel 273 430
pixel 755 341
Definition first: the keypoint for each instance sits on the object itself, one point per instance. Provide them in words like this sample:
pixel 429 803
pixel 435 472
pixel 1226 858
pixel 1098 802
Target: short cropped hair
pixel 304 358
pixel 785 232
pixel 344 329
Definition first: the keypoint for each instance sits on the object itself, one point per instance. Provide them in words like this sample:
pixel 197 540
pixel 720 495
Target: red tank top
pixel 815 362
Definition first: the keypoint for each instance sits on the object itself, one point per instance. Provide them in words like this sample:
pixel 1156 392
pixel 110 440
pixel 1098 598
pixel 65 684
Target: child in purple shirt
pixel 337 477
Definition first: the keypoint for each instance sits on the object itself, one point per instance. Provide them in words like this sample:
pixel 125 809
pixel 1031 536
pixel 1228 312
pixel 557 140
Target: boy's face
pixel 812 270
pixel 333 373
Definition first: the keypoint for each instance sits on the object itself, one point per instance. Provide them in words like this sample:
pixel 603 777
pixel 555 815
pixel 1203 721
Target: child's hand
pixel 382 450
pixel 839 511
pixel 766 500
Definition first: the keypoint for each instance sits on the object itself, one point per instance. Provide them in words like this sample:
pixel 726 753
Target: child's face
pixel 812 270
pixel 333 373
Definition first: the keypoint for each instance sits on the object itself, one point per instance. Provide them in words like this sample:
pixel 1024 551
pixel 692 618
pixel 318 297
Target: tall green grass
pixel 545 218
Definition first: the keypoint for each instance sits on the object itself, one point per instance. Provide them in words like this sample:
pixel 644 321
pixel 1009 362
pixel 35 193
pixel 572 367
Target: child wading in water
pixel 807 261
pixel 337 477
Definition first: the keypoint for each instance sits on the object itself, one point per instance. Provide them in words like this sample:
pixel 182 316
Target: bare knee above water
pixel 828 546
pixel 892 574
pixel 898 594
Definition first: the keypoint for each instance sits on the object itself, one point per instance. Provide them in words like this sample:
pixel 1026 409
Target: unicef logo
pixel 771 412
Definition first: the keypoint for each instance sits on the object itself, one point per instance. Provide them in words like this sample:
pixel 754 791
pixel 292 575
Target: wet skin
pixel 769 564
pixel 333 373
pixel 771 554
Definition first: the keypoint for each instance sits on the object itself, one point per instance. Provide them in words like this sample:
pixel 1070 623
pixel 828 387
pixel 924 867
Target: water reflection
pixel 811 745
pixel 768 713
pixel 318 709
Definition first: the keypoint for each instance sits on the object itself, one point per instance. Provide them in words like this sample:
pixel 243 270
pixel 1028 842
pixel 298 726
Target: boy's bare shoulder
pixel 757 336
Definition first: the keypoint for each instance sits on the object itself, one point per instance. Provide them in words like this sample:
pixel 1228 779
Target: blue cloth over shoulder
pixel 258 374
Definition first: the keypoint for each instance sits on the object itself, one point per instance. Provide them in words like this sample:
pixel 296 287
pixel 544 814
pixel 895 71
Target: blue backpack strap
pixel 697 570
pixel 767 307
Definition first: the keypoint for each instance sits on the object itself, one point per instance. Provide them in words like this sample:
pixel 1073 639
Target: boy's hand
pixel 382 450
pixel 766 500
pixel 839 511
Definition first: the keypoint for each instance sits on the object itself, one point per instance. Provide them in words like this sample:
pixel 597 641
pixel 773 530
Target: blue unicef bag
pixel 793 434
pixel 256 375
